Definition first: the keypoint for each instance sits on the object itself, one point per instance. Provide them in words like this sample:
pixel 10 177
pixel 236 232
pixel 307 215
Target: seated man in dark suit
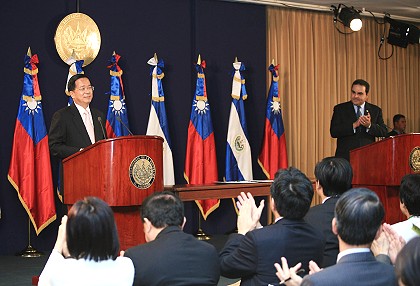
pixel 171 256
pixel 400 124
pixel 357 221
pixel 333 178
pixel 250 254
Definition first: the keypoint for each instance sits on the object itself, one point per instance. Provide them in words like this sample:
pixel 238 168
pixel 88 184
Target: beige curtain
pixel 317 67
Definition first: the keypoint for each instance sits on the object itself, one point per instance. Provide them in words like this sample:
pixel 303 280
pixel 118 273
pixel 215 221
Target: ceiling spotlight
pixel 401 34
pixel 350 18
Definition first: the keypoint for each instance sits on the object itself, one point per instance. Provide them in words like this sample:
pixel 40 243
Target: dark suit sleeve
pixel 238 257
pixel 341 123
pixel 57 138
pixel 378 127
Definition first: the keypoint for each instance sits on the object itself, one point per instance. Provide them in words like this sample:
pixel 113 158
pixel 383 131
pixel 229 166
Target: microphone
pixel 102 127
pixel 125 126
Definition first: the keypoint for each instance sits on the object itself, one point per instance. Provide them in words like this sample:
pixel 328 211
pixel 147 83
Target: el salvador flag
pixel 158 122
pixel 238 150
pixel 76 67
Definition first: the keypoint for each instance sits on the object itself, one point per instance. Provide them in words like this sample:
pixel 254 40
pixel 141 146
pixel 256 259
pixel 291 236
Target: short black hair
pixel 410 193
pixel 358 214
pixel 334 175
pixel 163 209
pixel 407 264
pixel 71 85
pixel 91 230
pixel 397 118
pixel 363 83
pixel 292 192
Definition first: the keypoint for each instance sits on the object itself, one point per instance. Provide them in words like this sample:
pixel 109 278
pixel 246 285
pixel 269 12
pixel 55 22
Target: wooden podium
pixel 122 171
pixel 380 167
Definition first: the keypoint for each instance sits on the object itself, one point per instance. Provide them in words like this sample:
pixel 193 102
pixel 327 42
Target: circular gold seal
pixel 142 172
pixel 77 33
pixel 415 159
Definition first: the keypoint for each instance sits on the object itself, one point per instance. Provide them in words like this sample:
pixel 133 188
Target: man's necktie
pixel 89 127
pixel 359 113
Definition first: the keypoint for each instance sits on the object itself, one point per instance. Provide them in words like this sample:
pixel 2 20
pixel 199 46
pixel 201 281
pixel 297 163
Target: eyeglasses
pixel 86 88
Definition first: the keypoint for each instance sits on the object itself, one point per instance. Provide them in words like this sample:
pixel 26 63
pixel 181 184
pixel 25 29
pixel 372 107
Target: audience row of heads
pixel 291 192
pixel 92 233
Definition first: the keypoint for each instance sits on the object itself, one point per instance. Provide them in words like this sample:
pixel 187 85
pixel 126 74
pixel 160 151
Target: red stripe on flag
pixel 30 174
pixel 273 155
pixel 201 166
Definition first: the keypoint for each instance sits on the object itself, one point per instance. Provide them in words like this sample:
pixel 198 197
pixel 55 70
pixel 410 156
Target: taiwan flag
pixel 273 155
pixel 30 166
pixel 200 159
pixel 116 118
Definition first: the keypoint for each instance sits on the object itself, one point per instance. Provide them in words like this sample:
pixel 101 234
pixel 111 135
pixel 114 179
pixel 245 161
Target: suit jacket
pixel 251 257
pixel 175 258
pixel 354 269
pixel 342 128
pixel 68 133
pixel 320 216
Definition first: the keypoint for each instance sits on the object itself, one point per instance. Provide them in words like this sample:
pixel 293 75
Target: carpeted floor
pixel 18 271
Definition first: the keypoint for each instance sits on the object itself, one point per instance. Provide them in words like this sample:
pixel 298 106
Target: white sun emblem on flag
pixel 117 106
pixel 32 105
pixel 275 107
pixel 201 106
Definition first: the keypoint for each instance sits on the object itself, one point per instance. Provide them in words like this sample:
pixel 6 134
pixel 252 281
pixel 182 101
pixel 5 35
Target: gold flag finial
pixel 113 53
pixel 29 53
pixel 236 59
pixel 199 60
pixel 155 57
pixel 272 62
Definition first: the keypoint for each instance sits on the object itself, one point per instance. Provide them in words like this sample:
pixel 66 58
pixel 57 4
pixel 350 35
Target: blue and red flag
pixel 116 118
pixel 158 122
pixel 30 166
pixel 238 149
pixel 273 155
pixel 200 158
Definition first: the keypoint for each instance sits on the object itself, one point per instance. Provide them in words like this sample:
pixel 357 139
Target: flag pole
pixel 30 251
pixel 201 235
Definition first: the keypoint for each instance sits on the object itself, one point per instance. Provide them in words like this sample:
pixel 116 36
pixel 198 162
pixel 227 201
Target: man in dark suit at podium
pixel 171 256
pixel 76 126
pixel 356 123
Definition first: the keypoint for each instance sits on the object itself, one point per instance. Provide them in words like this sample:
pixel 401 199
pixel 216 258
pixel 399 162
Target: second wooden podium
pixel 122 171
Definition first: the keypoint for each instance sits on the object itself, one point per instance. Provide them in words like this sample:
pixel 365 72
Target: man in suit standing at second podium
pixel 356 123
pixel 76 126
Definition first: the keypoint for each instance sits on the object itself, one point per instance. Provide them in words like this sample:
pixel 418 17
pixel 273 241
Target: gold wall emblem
pixel 78 33
pixel 142 172
pixel 414 159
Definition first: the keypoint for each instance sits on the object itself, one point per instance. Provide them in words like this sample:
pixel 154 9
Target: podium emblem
pixel 415 159
pixel 142 172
